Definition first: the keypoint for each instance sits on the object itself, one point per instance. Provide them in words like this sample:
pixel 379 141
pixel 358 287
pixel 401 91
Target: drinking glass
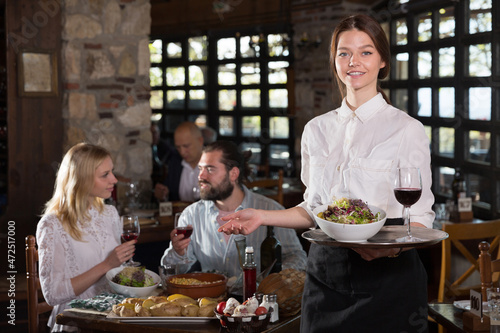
pixel 131 230
pixel 494 308
pixel 408 189
pixel 181 229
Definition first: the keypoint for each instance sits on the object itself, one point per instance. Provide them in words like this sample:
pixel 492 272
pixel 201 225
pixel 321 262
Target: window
pixel 444 75
pixel 234 82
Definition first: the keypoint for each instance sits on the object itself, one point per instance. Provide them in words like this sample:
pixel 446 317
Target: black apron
pixel 345 293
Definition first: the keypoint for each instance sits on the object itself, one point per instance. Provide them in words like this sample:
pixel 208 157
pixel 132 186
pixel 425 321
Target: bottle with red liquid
pixel 249 274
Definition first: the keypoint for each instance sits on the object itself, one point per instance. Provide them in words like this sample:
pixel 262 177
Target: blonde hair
pixel 74 182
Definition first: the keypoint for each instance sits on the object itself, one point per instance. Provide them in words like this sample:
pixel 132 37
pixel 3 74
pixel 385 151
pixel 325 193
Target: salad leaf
pixel 133 277
pixel 349 211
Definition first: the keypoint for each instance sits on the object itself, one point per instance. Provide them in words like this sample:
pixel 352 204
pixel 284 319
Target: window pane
pixel 480 60
pixel 155 77
pixel 401 32
pixel 424 102
pixel 198 48
pixel 175 76
pixel 250 98
pixel 424 27
pixel 278 98
pixel 200 120
pixel 278 45
pixel 445 179
pixel 447 102
pixel 479 146
pixel 251 126
pixel 278 128
pixel 250 73
pixel 197 75
pixel 400 99
pixel 156 99
pixel 226 48
pixel 227 100
pixel 256 150
pixel 402 66
pixel 277 72
pixel 155 50
pixel 480 103
pixel 197 99
pixel 447 141
pixel 174 50
pixel 428 132
pixel 480 16
pixel 226 125
pixel 447 62
pixel 446 22
pixel 249 46
pixel 175 99
pixel 227 74
pixel 480 188
pixel 424 64
pixel 278 155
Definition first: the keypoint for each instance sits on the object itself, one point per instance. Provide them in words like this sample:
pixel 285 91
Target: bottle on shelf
pixel 270 250
pixel 249 274
pixel 458 186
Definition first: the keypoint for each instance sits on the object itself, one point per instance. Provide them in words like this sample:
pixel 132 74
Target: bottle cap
pixel 249 249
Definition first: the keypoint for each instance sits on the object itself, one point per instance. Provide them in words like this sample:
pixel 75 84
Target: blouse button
pixel 338 168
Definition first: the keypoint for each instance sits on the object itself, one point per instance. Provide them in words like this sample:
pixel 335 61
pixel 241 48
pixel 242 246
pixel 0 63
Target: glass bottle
pixel 271 301
pixel 270 249
pixel 458 186
pixel 249 274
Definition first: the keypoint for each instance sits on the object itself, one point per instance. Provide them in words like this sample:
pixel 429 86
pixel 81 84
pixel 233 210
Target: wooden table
pixel 87 322
pixel 448 316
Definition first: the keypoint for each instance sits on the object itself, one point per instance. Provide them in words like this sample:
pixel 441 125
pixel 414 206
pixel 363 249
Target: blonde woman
pixel 79 236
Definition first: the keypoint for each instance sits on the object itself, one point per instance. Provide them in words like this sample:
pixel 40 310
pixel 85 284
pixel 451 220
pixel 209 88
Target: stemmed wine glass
pixel 131 230
pixel 181 229
pixel 408 189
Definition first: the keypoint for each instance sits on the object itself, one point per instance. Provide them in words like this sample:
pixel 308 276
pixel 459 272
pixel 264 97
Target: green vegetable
pixel 349 211
pixel 134 277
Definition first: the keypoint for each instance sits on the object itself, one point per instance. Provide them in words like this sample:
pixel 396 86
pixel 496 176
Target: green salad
pixel 134 277
pixel 349 211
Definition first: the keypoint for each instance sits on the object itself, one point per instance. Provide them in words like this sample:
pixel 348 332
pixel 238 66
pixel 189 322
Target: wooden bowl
pixel 215 288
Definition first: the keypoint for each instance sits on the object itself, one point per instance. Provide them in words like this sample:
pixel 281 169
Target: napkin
pixel 101 302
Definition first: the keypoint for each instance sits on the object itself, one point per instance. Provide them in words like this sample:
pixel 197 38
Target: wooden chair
pixel 35 307
pixel 489 270
pixel 269 183
pixel 460 233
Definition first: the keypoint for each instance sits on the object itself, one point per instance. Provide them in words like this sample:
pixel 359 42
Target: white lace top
pixel 61 257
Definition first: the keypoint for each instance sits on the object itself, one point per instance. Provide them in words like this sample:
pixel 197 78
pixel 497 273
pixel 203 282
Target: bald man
pixel 181 182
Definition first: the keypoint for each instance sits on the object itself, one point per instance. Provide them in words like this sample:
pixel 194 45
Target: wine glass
pixel 408 189
pixel 131 230
pixel 185 230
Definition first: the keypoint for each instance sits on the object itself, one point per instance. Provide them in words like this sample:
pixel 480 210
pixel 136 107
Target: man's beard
pixel 221 192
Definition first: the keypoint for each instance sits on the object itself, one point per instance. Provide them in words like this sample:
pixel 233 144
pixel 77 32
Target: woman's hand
pixel 179 242
pixel 242 222
pixel 121 254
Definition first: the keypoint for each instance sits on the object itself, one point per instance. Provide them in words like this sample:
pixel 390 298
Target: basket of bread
pixel 175 305
pixel 287 285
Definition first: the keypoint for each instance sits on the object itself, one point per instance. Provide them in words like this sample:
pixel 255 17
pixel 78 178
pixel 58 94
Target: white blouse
pixel 355 155
pixel 61 257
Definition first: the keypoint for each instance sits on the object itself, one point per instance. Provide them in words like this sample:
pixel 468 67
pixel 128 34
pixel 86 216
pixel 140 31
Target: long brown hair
pixel 74 182
pixel 372 28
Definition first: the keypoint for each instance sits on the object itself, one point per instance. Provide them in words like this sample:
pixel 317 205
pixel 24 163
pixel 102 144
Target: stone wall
pixel 106 80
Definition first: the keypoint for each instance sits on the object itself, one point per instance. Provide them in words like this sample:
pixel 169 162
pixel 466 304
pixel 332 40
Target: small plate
pixel 465 305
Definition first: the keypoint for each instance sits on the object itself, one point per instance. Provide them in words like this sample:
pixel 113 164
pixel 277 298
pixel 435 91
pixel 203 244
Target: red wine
pixel 407 196
pixel 249 282
pixel 186 231
pixel 130 236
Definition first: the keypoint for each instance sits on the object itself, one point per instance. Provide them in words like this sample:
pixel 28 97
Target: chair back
pixel 460 236
pixel 35 307
pixel 489 270
pixel 274 185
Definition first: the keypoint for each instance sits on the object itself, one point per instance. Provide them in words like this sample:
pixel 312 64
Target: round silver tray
pixel 387 237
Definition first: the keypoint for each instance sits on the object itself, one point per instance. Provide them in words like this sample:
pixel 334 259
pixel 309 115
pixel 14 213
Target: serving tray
pixel 388 237
pixel 161 320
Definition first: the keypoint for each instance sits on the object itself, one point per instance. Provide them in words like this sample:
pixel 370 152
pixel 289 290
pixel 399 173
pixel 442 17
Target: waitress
pixel 353 152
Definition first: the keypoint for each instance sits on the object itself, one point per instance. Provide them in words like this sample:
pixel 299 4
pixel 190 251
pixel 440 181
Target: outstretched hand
pixel 242 222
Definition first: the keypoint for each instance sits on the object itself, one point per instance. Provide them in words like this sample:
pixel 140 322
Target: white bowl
pixel 350 232
pixel 132 291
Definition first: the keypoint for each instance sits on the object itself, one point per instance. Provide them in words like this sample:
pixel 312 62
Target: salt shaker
pixel 271 300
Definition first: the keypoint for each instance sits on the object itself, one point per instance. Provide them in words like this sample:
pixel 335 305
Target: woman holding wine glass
pixel 354 151
pixel 78 235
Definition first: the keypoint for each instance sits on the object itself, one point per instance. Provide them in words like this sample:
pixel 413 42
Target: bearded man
pixel 222 171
